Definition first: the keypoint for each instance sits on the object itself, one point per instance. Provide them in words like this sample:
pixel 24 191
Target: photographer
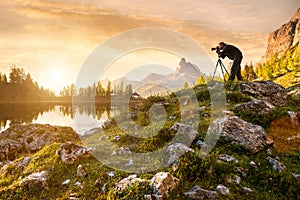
pixel 233 53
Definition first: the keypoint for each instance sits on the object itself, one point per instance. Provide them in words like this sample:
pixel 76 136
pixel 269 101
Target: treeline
pixel 97 90
pixel 20 86
pixel 279 65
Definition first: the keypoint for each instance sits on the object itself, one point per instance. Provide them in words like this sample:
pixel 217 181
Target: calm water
pixel 81 117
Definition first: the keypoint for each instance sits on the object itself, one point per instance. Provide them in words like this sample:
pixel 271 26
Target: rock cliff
pixel 284 38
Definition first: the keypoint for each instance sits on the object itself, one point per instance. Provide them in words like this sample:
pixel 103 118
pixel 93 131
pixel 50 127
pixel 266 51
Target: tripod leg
pixel 215 70
pixel 222 71
pixel 222 65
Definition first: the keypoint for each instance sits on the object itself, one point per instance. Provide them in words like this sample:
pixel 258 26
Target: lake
pixel 81 117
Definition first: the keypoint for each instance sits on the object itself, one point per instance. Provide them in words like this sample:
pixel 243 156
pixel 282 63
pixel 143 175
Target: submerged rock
pixel 198 193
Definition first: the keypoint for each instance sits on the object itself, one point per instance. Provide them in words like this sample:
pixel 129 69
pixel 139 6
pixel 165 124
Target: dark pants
pixel 236 68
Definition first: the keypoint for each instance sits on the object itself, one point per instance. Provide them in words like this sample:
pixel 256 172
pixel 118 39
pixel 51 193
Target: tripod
pixel 223 69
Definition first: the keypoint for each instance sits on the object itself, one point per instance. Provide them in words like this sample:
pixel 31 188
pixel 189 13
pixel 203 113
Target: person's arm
pixel 221 53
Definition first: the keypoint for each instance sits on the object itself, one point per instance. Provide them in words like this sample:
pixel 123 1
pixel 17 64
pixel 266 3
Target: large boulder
pixel 257 107
pixel 266 91
pixel 30 138
pixel 239 132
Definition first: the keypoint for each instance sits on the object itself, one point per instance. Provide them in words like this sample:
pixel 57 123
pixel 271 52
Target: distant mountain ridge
pixel 156 83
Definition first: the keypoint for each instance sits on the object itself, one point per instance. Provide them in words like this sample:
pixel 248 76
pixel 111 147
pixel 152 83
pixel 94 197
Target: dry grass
pixel 284 133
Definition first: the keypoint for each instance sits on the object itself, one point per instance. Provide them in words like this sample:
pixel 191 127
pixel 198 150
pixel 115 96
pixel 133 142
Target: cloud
pixel 38 33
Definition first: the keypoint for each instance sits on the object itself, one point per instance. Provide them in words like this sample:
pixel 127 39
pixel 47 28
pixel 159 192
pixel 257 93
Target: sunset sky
pixel 51 39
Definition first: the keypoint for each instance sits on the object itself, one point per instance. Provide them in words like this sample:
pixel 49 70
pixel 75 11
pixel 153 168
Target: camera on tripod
pixel 215 48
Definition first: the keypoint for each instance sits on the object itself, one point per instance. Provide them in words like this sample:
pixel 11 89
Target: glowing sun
pixel 56 75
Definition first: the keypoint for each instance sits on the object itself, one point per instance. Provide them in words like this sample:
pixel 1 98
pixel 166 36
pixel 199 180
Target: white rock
pixel 81 171
pixel 296 175
pixel 111 174
pixel 248 190
pixel 66 182
pixel 223 189
pixel 253 164
pixel 227 158
pixel 78 184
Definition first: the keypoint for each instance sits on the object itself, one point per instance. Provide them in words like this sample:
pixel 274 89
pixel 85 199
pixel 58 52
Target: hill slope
pixel 234 169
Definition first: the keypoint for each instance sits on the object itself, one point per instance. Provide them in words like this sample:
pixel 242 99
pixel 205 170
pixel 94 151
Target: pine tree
pixel 201 80
pixel 108 89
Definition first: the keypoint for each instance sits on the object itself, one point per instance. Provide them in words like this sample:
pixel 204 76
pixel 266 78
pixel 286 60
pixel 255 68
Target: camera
pixel 214 48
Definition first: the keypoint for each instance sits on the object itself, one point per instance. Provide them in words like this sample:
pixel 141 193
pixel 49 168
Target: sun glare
pixel 56 76
pixel 56 79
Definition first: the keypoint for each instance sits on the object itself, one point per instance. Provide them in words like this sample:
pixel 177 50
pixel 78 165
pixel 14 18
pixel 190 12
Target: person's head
pixel 222 45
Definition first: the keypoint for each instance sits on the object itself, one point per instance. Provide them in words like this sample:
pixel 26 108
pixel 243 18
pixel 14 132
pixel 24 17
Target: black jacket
pixel 231 52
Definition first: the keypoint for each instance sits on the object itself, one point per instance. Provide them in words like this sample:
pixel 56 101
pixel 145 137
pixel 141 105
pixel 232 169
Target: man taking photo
pixel 233 53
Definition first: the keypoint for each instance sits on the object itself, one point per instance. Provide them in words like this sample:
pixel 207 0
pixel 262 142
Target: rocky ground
pixel 257 155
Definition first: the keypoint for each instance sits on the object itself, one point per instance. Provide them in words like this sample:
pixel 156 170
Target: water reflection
pixel 62 114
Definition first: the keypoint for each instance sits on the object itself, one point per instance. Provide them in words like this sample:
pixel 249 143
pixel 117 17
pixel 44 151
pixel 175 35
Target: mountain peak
pixel 187 68
pixel 296 15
